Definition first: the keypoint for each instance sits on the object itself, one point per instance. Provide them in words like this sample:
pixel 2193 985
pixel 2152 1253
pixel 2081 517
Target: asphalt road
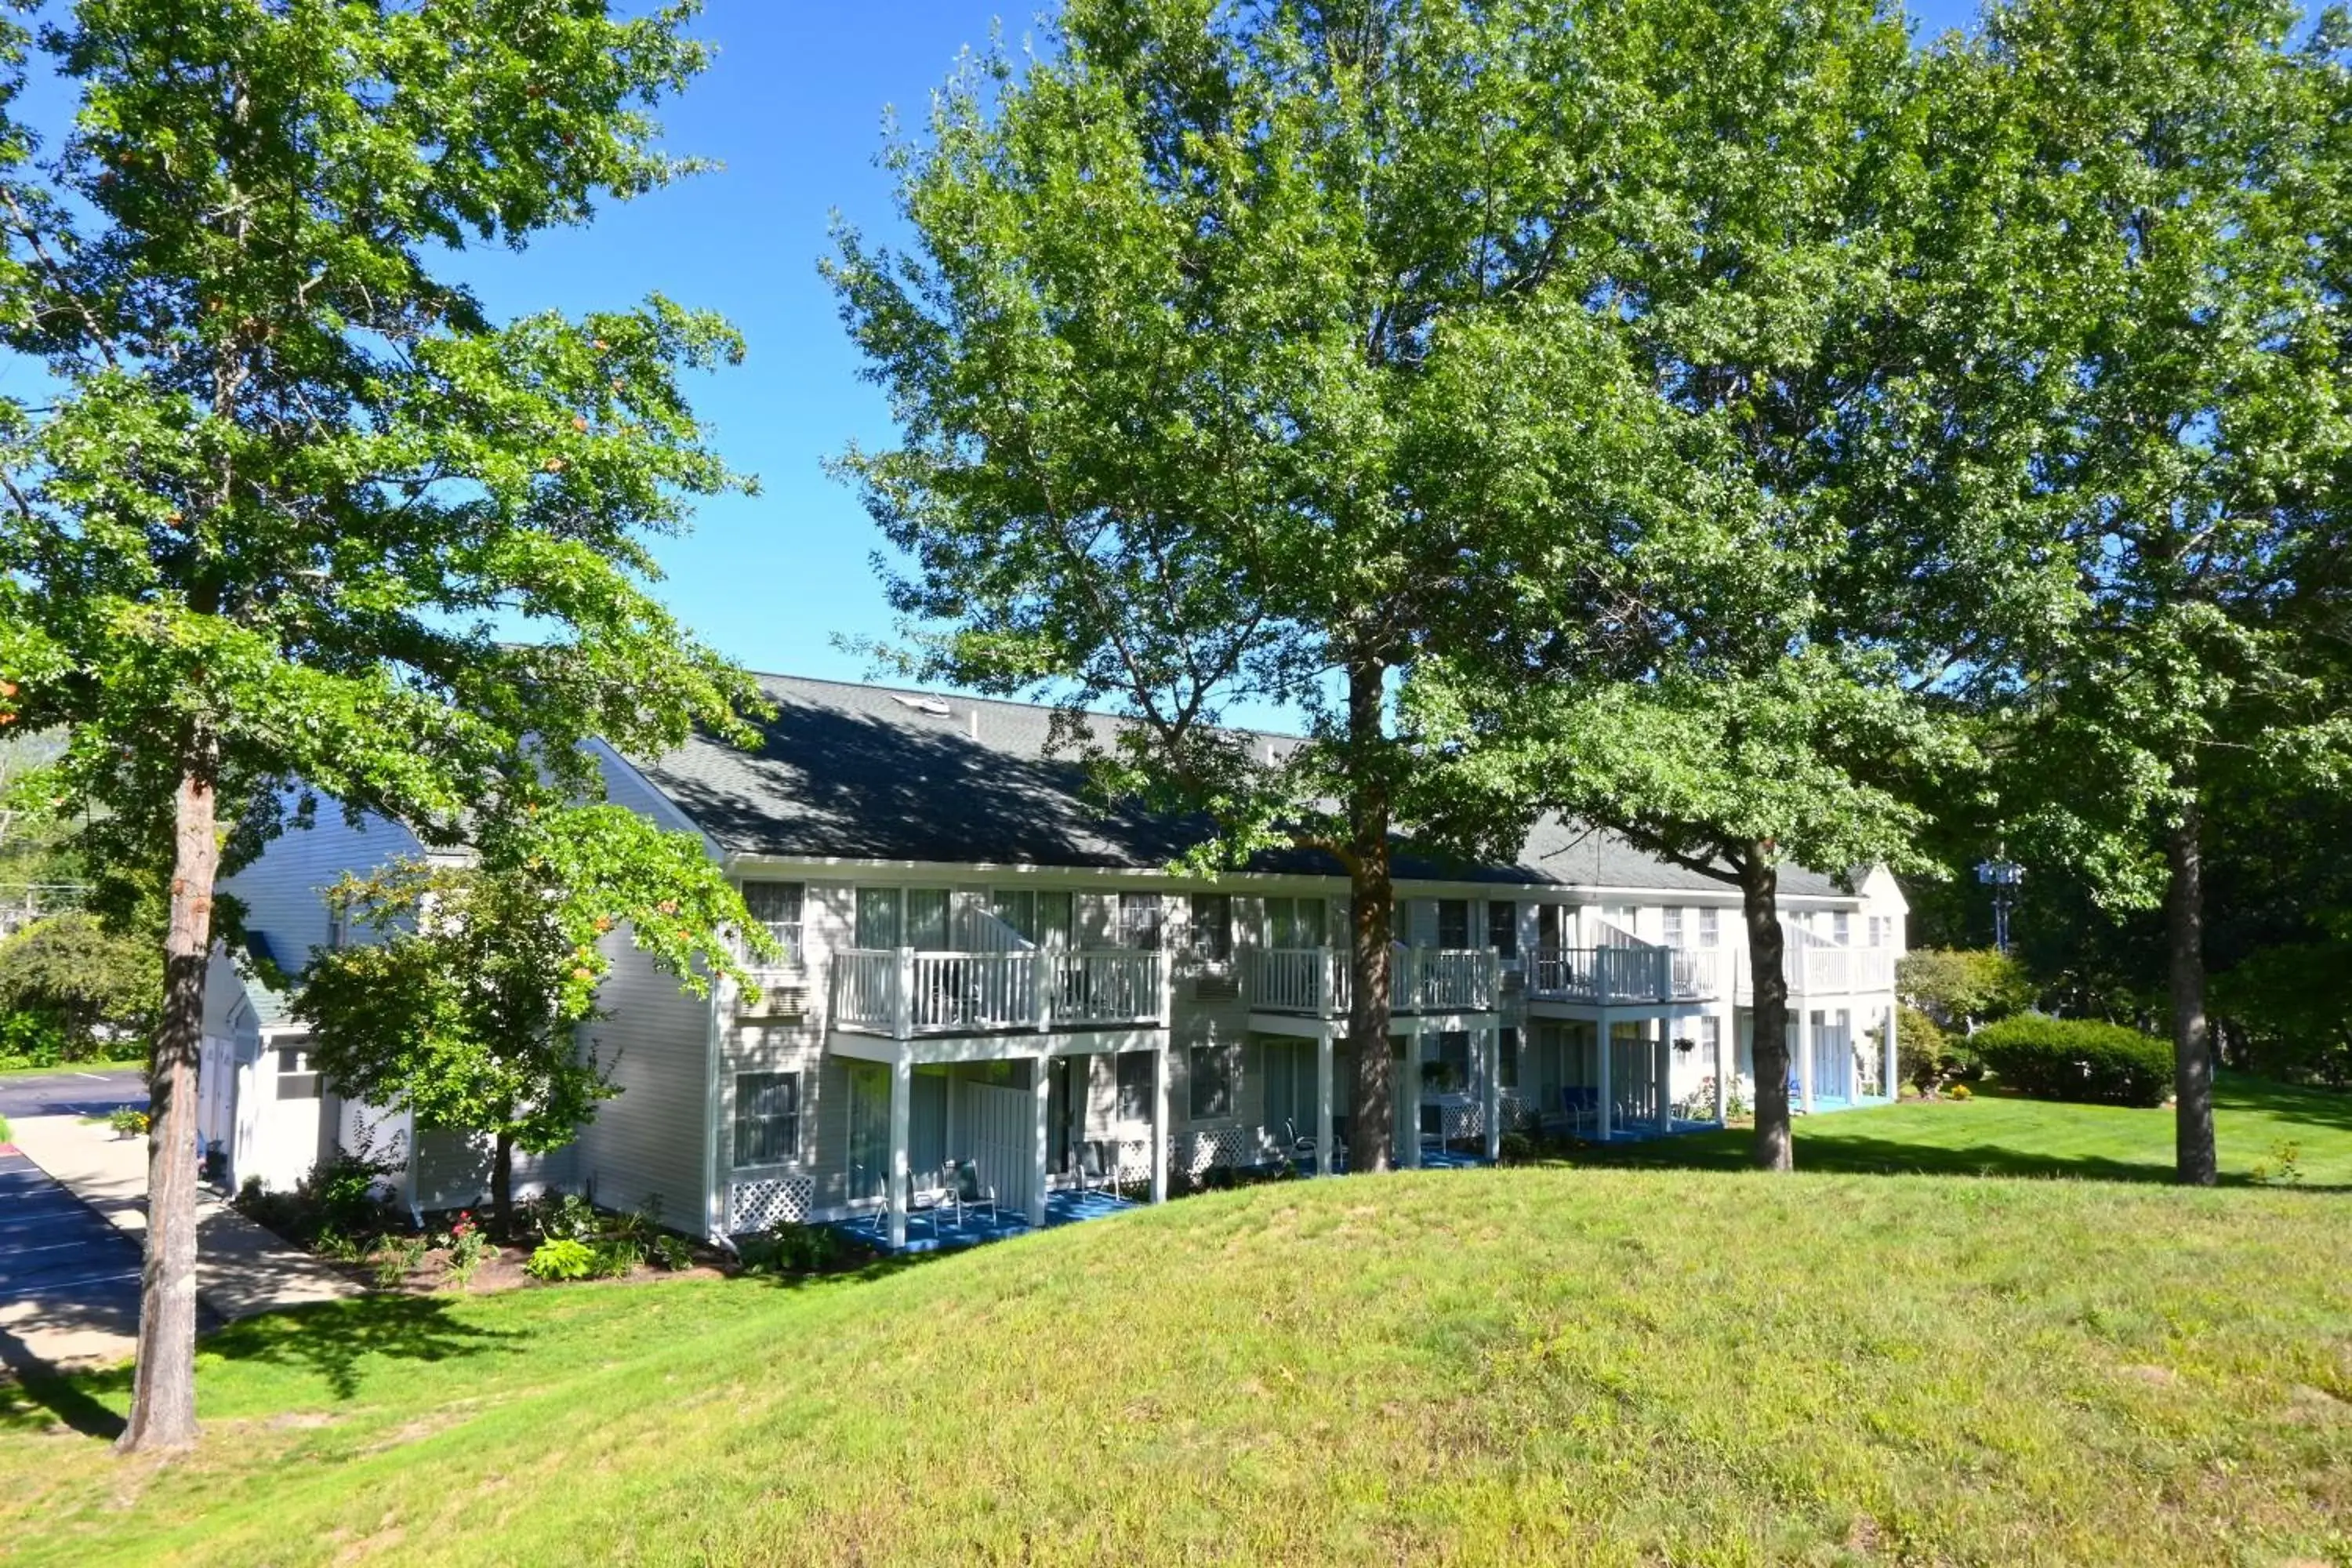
pixel 68 1280
pixel 69 1093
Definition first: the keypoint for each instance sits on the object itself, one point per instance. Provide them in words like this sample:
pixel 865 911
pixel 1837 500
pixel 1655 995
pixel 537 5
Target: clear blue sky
pixel 794 107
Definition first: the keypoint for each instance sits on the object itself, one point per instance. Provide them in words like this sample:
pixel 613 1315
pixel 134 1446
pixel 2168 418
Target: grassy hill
pixel 1613 1366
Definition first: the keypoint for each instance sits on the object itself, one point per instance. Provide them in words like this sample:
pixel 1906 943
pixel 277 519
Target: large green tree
pixel 297 508
pixel 1792 249
pixel 78 977
pixel 468 1007
pixel 1213 342
pixel 2192 166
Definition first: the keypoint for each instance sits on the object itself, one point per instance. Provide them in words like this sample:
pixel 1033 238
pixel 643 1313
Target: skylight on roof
pixel 931 705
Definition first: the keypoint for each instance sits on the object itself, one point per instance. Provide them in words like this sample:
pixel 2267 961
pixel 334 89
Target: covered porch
pixel 1007 1132
pixel 1607 1073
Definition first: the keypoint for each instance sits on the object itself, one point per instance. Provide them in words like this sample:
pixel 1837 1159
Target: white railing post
pixel 1603 1111
pixel 1040 976
pixel 1160 1129
pixel 902 997
pixel 1164 989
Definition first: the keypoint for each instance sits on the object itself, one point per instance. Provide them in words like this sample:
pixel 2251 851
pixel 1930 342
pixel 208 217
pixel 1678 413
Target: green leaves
pixel 297 496
pixel 465 1008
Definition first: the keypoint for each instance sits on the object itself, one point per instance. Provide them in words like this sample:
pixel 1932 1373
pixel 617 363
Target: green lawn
pixel 56 1067
pixel 1995 1135
pixel 1591 1364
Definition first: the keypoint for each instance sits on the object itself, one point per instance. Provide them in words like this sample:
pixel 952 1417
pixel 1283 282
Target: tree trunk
pixel 502 1188
pixel 164 1387
pixel 2195 1162
pixel 1372 1121
pixel 1760 892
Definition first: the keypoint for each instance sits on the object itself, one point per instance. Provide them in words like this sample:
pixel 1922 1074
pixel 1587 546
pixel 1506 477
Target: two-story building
pixel 983 968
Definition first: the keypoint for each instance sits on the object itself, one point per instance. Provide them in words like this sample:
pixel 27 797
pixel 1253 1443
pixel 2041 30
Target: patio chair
pixel 1430 1128
pixel 928 1193
pixel 970 1193
pixel 1578 1113
pixel 1097 1167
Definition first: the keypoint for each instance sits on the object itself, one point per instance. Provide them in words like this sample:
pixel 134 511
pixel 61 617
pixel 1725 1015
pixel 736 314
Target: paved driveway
pixel 68 1280
pixel 69 1093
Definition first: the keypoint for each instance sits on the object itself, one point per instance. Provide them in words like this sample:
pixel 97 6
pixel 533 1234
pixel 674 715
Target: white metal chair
pixel 968 1192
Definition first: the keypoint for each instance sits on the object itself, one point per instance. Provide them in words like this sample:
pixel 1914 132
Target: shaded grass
pixel 1999 1135
pixel 1593 1365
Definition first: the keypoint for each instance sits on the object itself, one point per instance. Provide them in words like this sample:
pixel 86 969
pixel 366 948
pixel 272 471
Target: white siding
pixel 285 889
pixel 653 1138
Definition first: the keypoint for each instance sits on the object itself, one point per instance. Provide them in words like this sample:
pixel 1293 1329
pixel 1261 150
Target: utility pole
pixel 2003 875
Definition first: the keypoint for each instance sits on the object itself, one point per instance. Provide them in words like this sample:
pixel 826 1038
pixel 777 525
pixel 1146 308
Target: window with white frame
pixel 1882 931
pixel 1711 1037
pixel 1451 1062
pixel 1672 919
pixel 902 917
pixel 1710 927
pixel 1139 920
pixel 1624 917
pixel 1212 926
pixel 1297 922
pixel 1454 923
pixel 1555 925
pixel 1135 1086
pixel 1841 927
pixel 298 1075
pixel 779 907
pixel 1040 916
pixel 767 1118
pixel 1507 1056
pixel 1212 1073
pixel 1503 927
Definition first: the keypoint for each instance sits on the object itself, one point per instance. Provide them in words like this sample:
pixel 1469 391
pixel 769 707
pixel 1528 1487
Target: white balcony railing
pixel 1824 970
pixel 905 992
pixel 1313 981
pixel 1611 975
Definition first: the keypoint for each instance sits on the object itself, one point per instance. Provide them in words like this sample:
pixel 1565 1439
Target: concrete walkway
pixel 66 1314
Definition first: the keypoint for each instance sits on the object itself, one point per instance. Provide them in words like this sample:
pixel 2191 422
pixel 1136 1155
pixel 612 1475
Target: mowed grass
pixel 1994 1134
pixel 1558 1365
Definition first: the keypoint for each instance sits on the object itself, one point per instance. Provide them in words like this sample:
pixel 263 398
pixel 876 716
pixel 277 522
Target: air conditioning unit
pixel 782 999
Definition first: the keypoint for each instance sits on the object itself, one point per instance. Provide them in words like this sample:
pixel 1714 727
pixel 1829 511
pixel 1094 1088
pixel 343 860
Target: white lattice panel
pixel 775 1200
pixel 1198 1151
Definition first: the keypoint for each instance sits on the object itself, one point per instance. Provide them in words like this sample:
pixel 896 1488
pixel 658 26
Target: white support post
pixel 1409 1095
pixel 1805 1059
pixel 1041 1087
pixel 902 1094
pixel 1604 1112
pixel 902 997
pixel 1662 1059
pixel 1494 1109
pixel 1888 1082
pixel 1727 1051
pixel 1160 1126
pixel 1323 1101
pixel 1040 975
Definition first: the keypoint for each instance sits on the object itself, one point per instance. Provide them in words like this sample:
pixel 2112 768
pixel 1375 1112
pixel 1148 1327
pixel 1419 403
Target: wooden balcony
pixel 909 994
pixel 1313 981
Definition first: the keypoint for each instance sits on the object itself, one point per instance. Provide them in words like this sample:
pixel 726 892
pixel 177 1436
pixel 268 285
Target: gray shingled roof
pixel 872 772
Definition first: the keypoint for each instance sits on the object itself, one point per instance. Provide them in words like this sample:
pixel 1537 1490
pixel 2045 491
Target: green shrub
pixel 2076 1060
pixel 1930 1057
pixel 128 1121
pixel 671 1252
pixel 616 1256
pixel 789 1249
pixel 398 1259
pixel 1959 1091
pixel 561 1259
pixel 4 1129
pixel 31 1040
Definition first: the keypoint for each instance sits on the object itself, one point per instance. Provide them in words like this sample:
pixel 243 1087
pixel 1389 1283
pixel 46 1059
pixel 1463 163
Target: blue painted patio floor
pixel 923 1235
